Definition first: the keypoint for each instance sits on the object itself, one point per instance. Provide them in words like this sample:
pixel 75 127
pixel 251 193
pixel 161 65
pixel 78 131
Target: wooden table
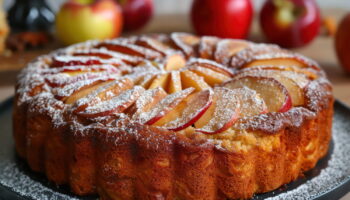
pixel 321 50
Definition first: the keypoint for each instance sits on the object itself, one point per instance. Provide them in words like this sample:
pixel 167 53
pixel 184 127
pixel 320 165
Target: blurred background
pixel 41 30
pixel 183 6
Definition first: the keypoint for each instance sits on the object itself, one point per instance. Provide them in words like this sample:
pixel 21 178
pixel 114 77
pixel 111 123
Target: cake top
pixel 179 82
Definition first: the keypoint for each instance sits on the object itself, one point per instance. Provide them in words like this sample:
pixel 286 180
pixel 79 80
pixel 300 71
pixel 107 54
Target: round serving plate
pixel 330 179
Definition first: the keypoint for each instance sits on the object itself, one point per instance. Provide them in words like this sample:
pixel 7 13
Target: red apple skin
pixel 194 119
pixel 227 125
pixel 287 105
pixel 224 18
pixel 78 21
pixel 298 33
pixel 71 81
pixel 57 63
pixel 342 43
pixel 136 13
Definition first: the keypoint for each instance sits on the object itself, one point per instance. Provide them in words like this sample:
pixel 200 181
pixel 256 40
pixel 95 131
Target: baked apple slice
pixel 185 42
pixel 190 79
pixel 206 47
pixel 210 76
pixel 222 114
pixel 293 82
pixel 78 70
pixel 251 102
pixel 115 105
pixel 130 49
pixel 62 79
pixel 161 80
pixel 104 93
pixel 174 62
pixel 146 80
pixel 226 48
pixel 154 44
pixel 69 94
pixel 282 59
pixel 174 82
pixel 210 65
pixel 187 112
pixel 145 103
pixel 310 74
pixel 275 94
pixel 107 54
pixel 61 61
pixel 164 106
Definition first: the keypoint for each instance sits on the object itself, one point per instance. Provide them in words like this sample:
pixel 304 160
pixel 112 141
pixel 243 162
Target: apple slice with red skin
pixel 65 61
pixel 207 45
pixel 164 106
pixel 210 76
pixel 222 114
pixel 309 73
pixel 56 80
pixel 145 102
pixel 103 93
pixel 226 48
pixel 115 105
pixel 107 54
pixel 282 59
pixel 73 92
pixel 185 42
pixel 130 49
pixel 210 65
pixel 187 112
pixel 250 53
pixel 275 95
pixel 76 70
pixel 62 61
pixel 154 44
pixel 293 82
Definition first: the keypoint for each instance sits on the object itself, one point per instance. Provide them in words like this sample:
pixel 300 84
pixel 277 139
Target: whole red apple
pixel 81 20
pixel 224 18
pixel 342 43
pixel 136 13
pixel 290 23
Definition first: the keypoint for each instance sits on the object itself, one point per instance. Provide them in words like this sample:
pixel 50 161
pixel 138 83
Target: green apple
pixel 81 20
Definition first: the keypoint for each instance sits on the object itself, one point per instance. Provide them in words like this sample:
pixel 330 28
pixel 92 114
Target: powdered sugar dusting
pixel 142 58
pixel 165 104
pixel 118 103
pixel 226 110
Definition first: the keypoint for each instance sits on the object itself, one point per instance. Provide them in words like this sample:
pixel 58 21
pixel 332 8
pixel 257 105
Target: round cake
pixel 172 117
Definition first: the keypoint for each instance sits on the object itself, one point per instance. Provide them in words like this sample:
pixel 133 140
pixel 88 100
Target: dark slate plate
pixel 330 179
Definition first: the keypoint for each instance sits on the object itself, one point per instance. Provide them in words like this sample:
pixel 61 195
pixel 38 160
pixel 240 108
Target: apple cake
pixel 172 117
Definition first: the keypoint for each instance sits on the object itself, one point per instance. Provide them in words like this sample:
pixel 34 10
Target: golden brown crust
pixel 123 159
pixel 119 165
